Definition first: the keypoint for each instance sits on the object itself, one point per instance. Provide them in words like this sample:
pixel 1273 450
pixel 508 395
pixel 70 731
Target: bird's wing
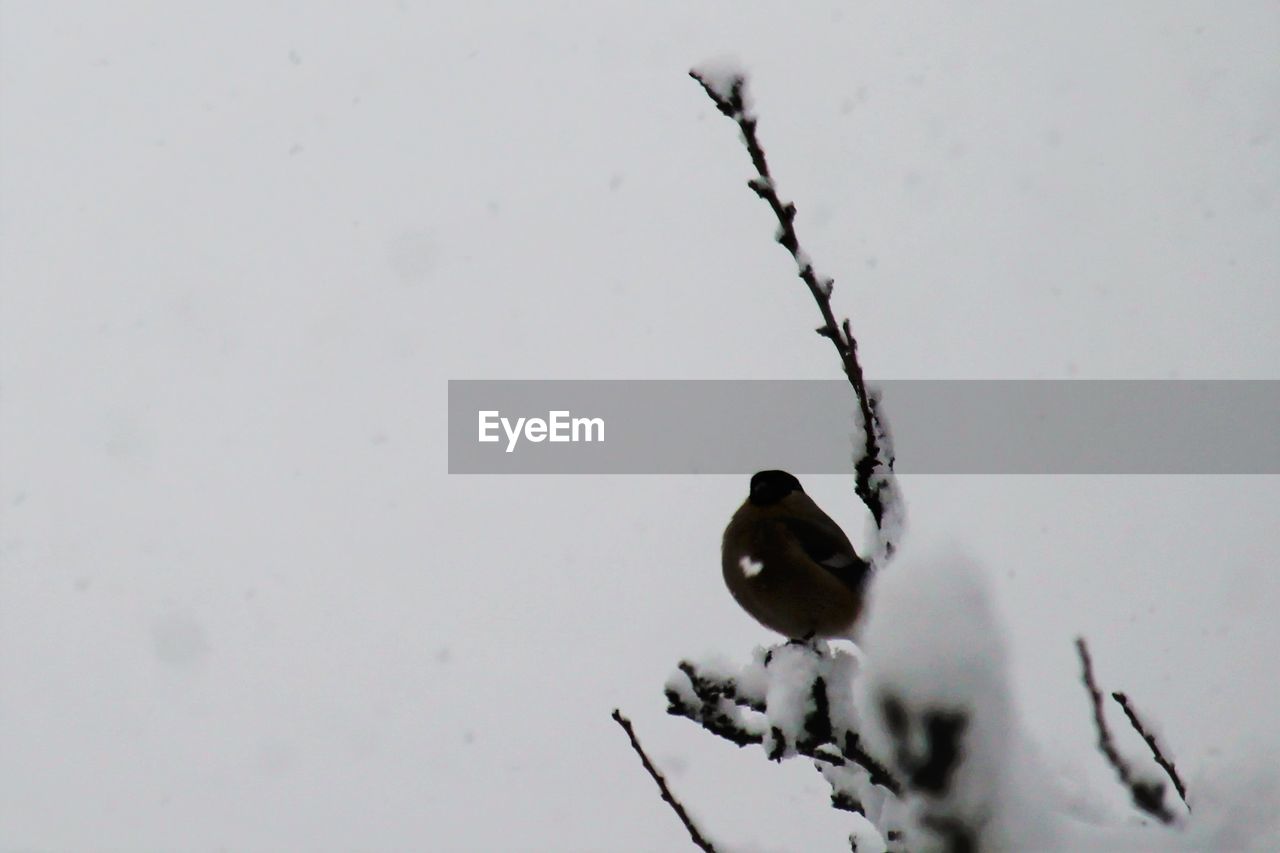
pixel 825 543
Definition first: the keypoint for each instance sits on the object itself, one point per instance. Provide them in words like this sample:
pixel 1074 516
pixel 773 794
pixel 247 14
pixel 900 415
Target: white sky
pixel 245 245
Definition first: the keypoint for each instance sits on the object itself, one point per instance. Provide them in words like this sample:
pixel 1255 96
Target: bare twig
pixel 667 796
pixel 1147 795
pixel 1166 764
pixel 874 482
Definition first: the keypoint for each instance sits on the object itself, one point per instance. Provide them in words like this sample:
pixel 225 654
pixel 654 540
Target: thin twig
pixel 874 491
pixel 1105 743
pixel 1156 753
pixel 667 796
pixel 1148 796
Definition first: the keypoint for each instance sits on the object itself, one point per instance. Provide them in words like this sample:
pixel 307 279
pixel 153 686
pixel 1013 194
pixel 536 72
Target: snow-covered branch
pixel 875 483
pixel 794 699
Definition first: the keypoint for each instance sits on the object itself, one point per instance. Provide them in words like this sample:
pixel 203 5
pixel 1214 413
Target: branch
pixel 874 482
pixel 1156 753
pixel 667 796
pixel 854 754
pixel 719 709
pixel 1147 795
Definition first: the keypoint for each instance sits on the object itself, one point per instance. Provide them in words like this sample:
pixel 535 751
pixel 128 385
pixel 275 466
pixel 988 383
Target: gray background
pixel 244 247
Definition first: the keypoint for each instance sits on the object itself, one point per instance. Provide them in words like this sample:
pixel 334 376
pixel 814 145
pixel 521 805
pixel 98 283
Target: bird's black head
pixel 769 487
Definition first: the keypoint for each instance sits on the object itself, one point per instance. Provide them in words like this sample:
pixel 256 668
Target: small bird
pixel 789 565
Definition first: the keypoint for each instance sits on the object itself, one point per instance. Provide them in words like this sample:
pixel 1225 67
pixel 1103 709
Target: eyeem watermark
pixel 558 426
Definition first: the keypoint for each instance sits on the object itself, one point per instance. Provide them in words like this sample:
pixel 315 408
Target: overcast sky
pixel 242 604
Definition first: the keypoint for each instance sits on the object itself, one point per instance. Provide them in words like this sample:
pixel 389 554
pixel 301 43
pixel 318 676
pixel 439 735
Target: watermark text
pixel 559 425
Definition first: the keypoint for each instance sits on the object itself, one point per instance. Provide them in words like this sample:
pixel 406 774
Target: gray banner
pixel 807 427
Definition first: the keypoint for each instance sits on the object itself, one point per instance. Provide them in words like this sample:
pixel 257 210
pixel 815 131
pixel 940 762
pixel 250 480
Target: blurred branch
pixel 874 482
pixel 880 775
pixel 667 796
pixel 1147 795
pixel 1166 764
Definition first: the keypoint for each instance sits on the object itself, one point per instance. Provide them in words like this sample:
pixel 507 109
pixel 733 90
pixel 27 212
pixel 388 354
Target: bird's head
pixel 769 487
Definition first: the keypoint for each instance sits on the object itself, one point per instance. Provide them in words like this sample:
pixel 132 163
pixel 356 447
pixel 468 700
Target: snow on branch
pixel 875 483
pixel 794 699
pixel 938 707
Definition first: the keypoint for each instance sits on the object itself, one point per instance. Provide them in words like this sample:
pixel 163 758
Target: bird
pixel 789 565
